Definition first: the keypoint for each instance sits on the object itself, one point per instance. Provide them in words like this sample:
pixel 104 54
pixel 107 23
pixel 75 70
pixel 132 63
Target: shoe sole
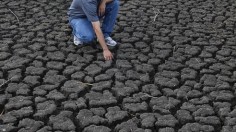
pixel 111 45
pixel 77 44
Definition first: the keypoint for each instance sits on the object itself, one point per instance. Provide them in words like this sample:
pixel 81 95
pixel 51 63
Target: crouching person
pixel 84 16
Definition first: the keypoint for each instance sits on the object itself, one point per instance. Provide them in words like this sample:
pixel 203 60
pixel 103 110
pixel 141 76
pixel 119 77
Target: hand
pixel 102 8
pixel 107 55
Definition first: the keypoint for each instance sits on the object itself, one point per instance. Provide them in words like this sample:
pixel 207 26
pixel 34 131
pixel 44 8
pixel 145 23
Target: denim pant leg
pixel 82 29
pixel 109 21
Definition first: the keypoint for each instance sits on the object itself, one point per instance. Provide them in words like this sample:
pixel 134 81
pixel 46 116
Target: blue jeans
pixel 83 29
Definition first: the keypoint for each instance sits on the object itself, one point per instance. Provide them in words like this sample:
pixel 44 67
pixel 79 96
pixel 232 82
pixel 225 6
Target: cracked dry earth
pixel 174 74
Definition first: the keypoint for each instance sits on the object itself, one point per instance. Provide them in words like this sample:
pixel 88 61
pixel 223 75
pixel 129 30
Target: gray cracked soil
pixel 174 74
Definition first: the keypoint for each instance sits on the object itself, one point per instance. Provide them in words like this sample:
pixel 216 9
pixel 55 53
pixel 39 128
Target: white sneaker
pixel 110 41
pixel 77 41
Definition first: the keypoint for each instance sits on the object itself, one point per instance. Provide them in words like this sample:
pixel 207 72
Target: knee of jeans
pixel 87 39
pixel 116 4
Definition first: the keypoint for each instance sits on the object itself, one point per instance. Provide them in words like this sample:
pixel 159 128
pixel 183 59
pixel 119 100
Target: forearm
pixel 100 35
pixel 101 39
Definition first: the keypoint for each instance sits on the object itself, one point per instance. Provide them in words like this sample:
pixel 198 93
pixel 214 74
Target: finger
pixel 102 12
pixel 99 12
pixel 108 58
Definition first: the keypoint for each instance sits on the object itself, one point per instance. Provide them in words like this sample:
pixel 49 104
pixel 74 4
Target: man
pixel 84 18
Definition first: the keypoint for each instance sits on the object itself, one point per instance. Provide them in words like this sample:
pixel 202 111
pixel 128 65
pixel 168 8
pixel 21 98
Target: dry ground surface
pixel 173 71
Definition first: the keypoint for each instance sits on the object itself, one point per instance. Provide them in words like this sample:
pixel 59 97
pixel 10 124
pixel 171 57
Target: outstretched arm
pixel 106 52
pixel 90 9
